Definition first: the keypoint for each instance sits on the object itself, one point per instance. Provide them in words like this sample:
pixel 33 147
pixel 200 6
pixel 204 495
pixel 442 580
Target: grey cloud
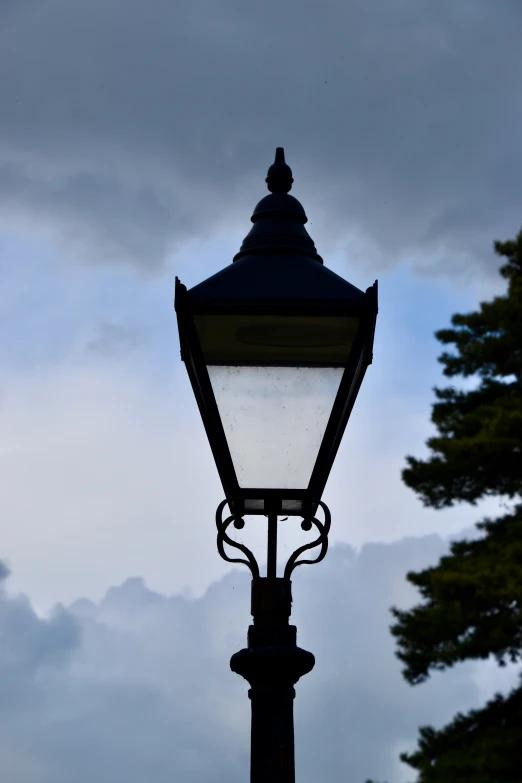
pixel 30 650
pixel 131 128
pixel 4 572
pixel 145 688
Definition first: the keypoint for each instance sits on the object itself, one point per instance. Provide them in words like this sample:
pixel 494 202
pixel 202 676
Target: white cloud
pixel 100 481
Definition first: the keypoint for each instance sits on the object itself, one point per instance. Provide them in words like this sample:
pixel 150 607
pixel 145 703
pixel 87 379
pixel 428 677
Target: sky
pixel 134 144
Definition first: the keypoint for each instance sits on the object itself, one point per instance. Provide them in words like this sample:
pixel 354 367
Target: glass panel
pixel 271 339
pixel 274 420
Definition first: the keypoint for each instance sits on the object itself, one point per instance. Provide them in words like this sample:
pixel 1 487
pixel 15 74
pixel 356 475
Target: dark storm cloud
pixel 144 690
pixel 131 127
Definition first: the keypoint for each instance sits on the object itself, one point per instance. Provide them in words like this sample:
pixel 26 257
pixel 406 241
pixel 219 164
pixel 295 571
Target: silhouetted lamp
pixel 276 346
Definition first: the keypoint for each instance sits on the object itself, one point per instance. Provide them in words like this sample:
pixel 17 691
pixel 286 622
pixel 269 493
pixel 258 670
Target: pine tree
pixel 472 600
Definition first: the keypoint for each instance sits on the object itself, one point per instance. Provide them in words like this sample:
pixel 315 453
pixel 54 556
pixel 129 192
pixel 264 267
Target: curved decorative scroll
pixel 223 538
pixel 322 541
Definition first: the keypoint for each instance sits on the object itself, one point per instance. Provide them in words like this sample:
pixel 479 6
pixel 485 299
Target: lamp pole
pixel 276 347
pixel 272 664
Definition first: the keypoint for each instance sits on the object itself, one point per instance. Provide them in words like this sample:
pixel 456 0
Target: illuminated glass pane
pixel 274 420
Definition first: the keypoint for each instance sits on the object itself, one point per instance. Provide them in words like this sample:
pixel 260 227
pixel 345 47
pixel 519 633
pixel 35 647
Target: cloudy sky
pixel 134 143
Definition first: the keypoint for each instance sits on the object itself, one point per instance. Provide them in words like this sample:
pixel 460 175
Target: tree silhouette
pixel 472 600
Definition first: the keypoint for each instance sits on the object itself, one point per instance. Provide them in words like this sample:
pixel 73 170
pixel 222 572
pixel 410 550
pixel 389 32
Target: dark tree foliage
pixel 472 599
pixel 478 449
pixel 472 603
pixel 483 746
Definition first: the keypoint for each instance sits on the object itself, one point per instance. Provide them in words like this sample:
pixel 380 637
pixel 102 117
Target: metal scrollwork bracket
pixel 323 528
pixel 223 538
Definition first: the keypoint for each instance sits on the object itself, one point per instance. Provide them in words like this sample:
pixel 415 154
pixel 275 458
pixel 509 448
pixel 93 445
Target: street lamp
pixel 276 347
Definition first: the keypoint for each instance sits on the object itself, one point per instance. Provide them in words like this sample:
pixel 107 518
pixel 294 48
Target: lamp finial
pixel 279 178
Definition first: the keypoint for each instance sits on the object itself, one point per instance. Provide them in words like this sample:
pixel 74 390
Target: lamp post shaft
pixel 272 663
pixel 272 735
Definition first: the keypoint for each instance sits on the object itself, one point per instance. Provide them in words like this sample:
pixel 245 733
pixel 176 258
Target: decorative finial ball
pixel 279 178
